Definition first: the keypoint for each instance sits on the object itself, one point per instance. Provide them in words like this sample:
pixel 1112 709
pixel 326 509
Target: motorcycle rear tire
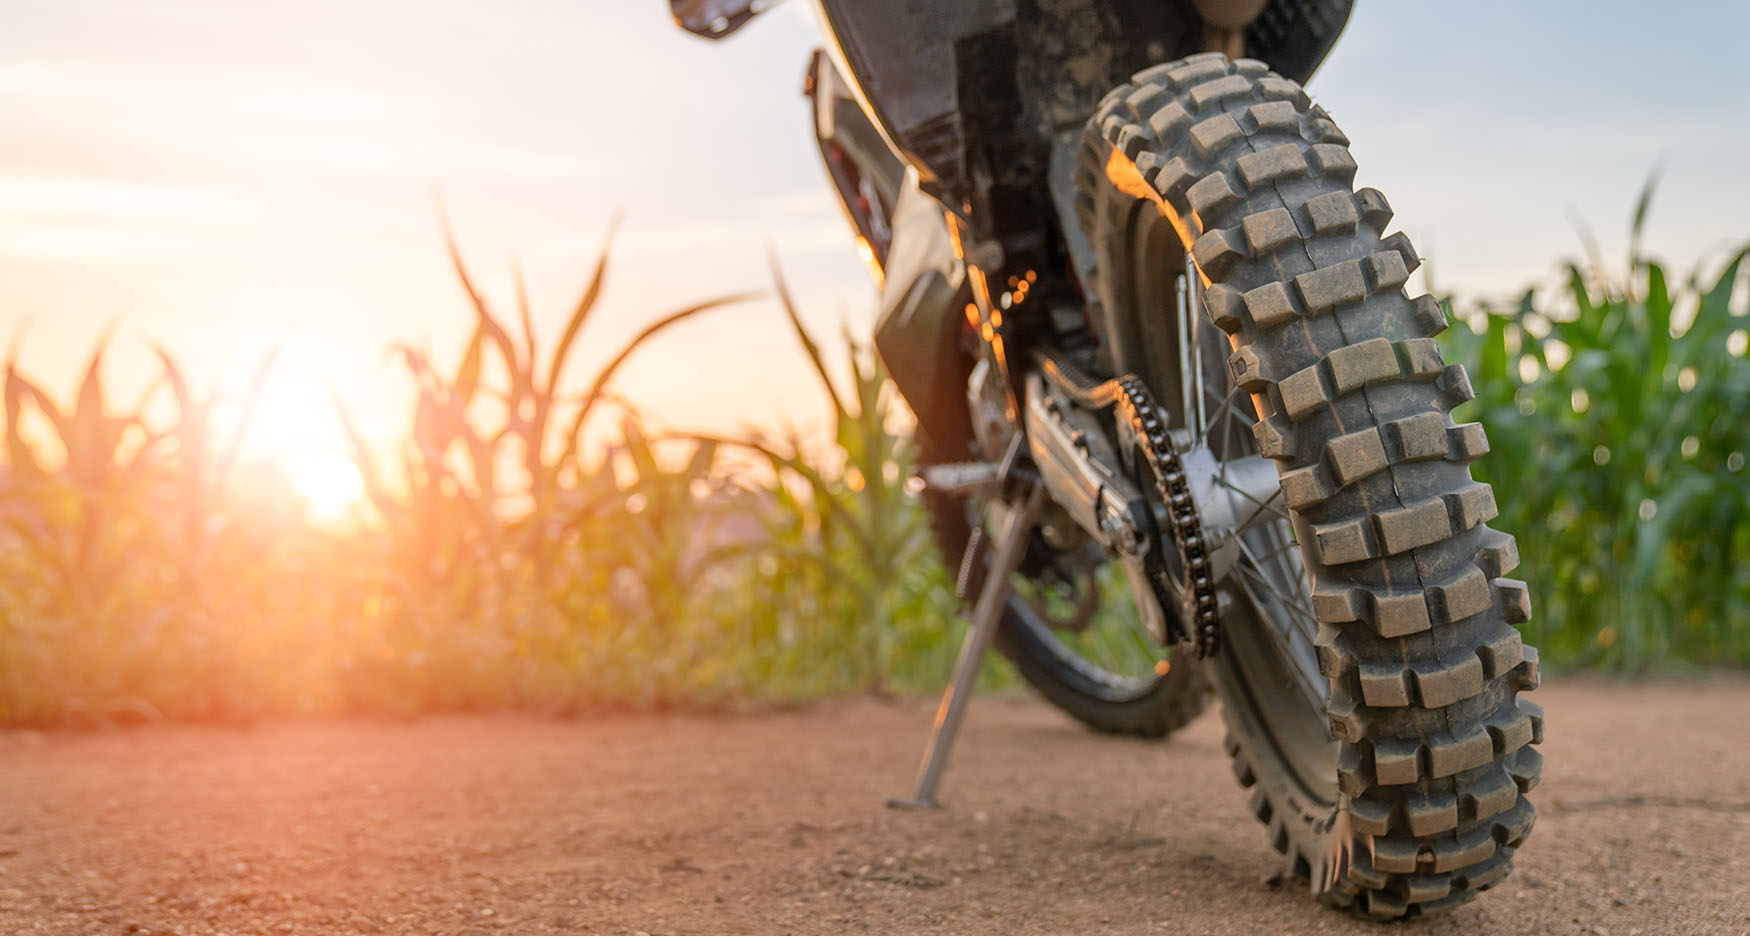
pixel 1425 802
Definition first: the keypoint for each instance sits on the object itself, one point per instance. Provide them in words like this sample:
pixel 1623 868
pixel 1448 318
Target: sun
pixel 328 481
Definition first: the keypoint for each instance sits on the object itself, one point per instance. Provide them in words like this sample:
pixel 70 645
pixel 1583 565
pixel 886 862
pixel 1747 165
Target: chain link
pixel 1137 409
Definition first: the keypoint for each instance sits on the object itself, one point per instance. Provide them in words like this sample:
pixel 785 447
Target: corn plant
pixel 118 549
pixel 846 540
pixel 1620 421
pixel 493 500
pixel 150 569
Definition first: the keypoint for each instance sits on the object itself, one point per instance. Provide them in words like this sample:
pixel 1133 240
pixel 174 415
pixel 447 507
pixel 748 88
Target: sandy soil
pixel 774 824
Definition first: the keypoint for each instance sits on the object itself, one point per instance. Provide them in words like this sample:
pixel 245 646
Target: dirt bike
pixel 1162 358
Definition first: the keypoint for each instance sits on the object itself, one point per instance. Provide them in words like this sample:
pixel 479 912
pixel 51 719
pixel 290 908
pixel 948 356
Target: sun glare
pixel 328 481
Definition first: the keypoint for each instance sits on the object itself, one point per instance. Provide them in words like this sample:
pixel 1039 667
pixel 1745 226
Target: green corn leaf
pixel 1715 304
pixel 637 448
pixel 808 345
pixel 1643 205
pixel 468 373
pixel 18 451
pixel 62 426
pixel 1658 310
pixel 597 389
pixel 518 370
pixel 375 488
pixel 192 421
pixel 585 305
pixel 524 317
pixel 94 436
pixel 134 472
pixel 252 395
pixel 699 466
pixel 1493 366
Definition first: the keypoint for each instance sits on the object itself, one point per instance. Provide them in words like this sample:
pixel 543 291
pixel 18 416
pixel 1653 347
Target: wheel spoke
pixel 1294 602
pixel 1226 408
pixel 1232 415
pixel 1247 585
pixel 1187 351
pixel 1299 617
pixel 1278 551
pixel 1299 674
pixel 1194 315
pixel 1266 505
pixel 1302 614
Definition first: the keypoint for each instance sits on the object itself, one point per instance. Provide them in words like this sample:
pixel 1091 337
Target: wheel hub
pixel 1182 539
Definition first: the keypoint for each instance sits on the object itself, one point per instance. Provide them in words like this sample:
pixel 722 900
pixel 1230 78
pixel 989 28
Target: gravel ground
pixel 773 824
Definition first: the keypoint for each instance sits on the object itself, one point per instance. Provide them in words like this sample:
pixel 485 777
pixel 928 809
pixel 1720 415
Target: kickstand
pixel 1011 545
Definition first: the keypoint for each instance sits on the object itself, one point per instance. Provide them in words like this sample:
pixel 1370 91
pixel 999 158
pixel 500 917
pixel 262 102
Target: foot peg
pixel 959 479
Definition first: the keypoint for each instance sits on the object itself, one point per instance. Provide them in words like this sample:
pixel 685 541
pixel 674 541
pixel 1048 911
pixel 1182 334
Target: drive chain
pixel 1141 419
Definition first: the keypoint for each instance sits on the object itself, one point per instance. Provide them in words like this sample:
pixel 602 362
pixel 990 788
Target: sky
pixel 224 178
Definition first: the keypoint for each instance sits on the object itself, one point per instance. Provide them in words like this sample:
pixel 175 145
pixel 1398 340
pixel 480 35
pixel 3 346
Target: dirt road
pixel 773 824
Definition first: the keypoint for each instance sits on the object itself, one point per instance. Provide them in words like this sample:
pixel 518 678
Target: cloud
pixel 309 104
pixel 17 77
pixel 62 196
pixel 410 154
pixel 61 242
pixel 264 120
pixel 799 222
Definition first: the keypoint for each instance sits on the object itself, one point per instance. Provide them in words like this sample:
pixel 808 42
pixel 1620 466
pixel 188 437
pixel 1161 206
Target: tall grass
pixel 139 575
pixel 847 525
pixel 150 570
pixel 1618 414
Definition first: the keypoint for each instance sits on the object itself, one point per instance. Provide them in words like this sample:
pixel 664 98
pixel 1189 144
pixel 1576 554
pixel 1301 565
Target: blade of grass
pixel 585 304
pixel 524 317
pixel 599 387
pixel 808 344
pixel 1643 205
pixel 246 414
pixel 487 323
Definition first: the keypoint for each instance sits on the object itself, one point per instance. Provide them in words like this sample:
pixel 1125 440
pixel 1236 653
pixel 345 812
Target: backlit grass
pixel 147 571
